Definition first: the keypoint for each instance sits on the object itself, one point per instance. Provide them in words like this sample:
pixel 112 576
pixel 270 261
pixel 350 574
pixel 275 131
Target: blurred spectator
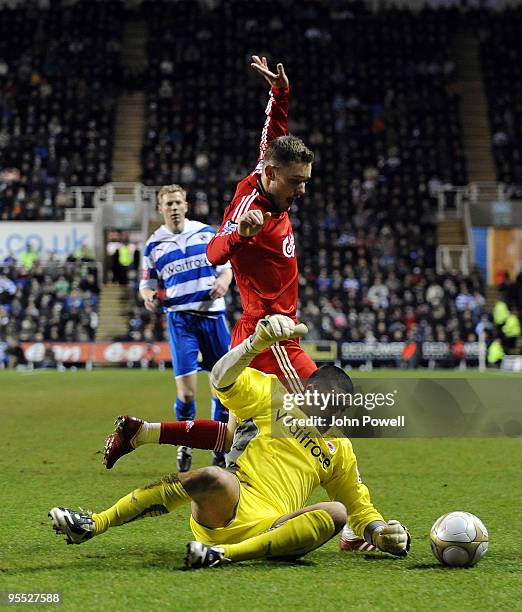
pixel 511 330
pixel 15 354
pixel 464 300
pixel 49 361
pixel 410 352
pixel 82 253
pixel 458 353
pixel 28 257
pixel 9 259
pixel 495 353
pixel 7 289
pixel 500 312
pixel 123 261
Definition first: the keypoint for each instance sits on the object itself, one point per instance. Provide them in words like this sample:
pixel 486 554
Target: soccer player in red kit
pixel 256 234
pixel 256 237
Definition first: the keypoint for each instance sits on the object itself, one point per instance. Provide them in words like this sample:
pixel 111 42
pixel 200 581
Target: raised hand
pixel 260 65
pixel 274 328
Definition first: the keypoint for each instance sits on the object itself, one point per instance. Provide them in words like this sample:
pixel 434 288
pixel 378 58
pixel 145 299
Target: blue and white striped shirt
pixel 180 261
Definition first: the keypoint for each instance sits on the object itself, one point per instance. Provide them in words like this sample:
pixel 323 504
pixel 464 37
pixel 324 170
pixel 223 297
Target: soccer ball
pixel 459 539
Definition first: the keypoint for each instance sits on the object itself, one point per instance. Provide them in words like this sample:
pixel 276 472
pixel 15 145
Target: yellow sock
pixel 295 538
pixel 153 499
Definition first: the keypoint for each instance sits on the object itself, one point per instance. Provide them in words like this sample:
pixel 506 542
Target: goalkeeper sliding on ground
pixel 256 507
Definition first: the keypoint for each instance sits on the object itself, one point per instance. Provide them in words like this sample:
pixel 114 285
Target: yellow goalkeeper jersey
pixel 283 463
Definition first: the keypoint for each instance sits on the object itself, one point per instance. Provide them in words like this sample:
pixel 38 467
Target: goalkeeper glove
pixel 392 538
pixel 272 329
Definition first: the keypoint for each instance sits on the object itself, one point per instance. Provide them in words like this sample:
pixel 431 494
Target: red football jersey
pixel 264 266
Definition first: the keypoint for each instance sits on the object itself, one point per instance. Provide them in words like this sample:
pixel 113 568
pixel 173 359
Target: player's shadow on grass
pixel 136 560
pixel 377 557
pixel 170 560
pixel 104 560
pixel 264 564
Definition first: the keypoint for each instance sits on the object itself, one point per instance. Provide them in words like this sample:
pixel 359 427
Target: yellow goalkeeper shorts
pixel 254 515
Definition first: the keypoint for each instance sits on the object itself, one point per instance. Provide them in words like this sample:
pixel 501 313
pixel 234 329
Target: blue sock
pixel 185 411
pixel 218 412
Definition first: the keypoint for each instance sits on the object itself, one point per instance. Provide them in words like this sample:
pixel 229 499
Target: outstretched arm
pixel 234 232
pixel 346 487
pixel 276 123
pixel 269 330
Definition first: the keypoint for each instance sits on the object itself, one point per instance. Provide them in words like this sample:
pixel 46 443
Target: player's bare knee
pixel 338 513
pixel 205 480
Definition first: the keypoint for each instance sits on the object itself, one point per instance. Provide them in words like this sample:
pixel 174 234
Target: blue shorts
pixel 190 334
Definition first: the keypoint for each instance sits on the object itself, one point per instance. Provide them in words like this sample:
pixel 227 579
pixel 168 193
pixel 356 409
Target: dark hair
pixel 287 149
pixel 331 378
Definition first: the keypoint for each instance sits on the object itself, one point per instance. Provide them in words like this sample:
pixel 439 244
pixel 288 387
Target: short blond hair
pixel 171 189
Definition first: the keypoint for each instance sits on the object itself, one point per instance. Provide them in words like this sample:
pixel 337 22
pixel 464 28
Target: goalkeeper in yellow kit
pixel 256 507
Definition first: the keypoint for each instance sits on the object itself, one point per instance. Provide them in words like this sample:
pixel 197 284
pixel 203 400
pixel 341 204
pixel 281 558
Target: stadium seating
pixel 59 74
pixel 501 57
pixel 51 302
pixel 374 97
pixel 388 97
pixel 143 326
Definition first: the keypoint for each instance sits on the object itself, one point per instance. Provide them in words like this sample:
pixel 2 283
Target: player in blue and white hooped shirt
pixel 176 254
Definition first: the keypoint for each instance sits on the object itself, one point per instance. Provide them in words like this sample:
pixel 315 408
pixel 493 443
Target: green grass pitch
pixel 53 426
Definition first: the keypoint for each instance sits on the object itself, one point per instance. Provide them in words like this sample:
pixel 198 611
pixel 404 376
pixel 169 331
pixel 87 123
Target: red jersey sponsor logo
pixel 289 246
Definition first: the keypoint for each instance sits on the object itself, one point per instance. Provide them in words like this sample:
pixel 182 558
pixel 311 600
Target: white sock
pixel 149 433
pixel 348 534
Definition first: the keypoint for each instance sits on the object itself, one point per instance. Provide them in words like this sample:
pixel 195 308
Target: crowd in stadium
pixel 46 301
pixel 58 88
pixel 387 105
pixel 380 138
pixel 501 55
pixel 375 297
pixel 380 114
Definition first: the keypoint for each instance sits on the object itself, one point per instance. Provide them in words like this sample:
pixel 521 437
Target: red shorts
pixel 286 359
